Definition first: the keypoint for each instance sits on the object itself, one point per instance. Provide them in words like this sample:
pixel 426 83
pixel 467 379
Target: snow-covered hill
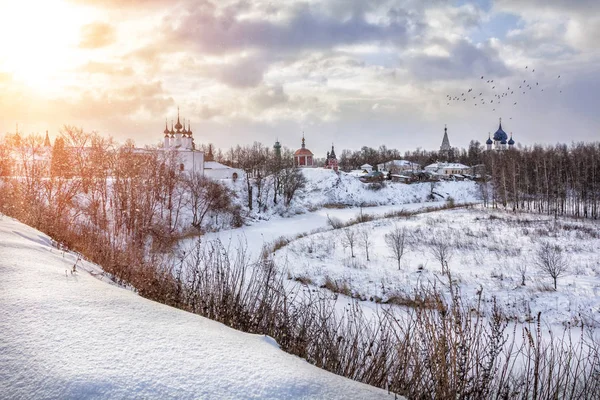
pixel 489 250
pixel 326 187
pixel 74 336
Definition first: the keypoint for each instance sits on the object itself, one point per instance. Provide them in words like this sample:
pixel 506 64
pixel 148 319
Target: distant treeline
pixel 559 180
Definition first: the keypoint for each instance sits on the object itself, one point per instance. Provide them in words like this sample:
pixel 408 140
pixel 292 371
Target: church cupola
pixel 178 125
pixel 511 142
pixel 167 139
pixel 488 142
pixel 184 131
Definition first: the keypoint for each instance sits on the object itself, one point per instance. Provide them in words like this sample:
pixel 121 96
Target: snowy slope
pixel 73 336
pixel 325 186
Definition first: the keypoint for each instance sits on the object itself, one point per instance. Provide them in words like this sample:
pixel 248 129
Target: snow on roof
pixel 74 336
pixel 215 165
pixel 364 166
pixel 400 163
pixel 447 165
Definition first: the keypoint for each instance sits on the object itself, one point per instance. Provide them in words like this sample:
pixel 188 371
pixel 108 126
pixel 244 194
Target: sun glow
pixel 38 42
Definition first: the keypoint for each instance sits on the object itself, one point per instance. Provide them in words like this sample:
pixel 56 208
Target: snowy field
pixel 73 336
pixel 489 250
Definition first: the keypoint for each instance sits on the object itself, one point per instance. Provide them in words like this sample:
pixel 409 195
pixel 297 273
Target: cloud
pixel 464 60
pixel 219 31
pixel 97 35
pixel 113 69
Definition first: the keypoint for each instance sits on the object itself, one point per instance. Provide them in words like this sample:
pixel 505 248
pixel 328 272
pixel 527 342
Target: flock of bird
pixel 492 94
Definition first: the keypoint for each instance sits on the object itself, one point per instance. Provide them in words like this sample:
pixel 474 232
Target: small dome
pixel 511 141
pixel 303 152
pixel 489 141
pixel 503 141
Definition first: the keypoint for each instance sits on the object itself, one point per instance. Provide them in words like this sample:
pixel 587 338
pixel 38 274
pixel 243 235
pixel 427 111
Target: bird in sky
pixel 515 104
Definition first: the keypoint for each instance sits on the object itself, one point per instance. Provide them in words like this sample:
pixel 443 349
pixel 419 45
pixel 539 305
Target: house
pixel 215 170
pixel 398 166
pixel 446 170
pixel 367 168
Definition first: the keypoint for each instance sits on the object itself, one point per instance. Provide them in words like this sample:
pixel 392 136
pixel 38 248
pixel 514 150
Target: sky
pixel 349 72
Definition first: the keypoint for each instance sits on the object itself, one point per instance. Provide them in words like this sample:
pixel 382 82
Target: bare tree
pixel 205 196
pixel 365 240
pixel 441 249
pixel 396 241
pixel 349 239
pixel 551 261
pixel 522 269
pixel 292 181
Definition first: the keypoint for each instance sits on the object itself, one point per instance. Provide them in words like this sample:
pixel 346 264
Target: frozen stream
pixel 261 233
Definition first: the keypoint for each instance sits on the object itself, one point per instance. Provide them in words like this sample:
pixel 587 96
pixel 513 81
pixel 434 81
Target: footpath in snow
pixel 74 336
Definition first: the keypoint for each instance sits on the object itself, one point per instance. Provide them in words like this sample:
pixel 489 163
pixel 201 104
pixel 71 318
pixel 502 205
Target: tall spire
pixel 445 141
pixel 303 141
pixel 166 131
pixel 500 124
pixel 47 141
pixel 172 132
pixel 189 131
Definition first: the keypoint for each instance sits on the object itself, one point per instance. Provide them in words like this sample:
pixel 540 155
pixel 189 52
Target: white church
pixel 180 140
